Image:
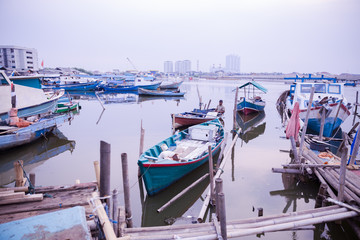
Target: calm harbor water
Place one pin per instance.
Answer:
(249, 183)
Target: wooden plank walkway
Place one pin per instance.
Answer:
(245, 227)
(55, 198)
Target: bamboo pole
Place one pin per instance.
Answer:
(217, 175)
(341, 188)
(356, 106)
(223, 146)
(32, 178)
(310, 165)
(355, 149)
(306, 122)
(13, 96)
(141, 150)
(235, 107)
(104, 220)
(294, 149)
(322, 123)
(179, 195)
(115, 210)
(126, 185)
(97, 172)
(211, 174)
(343, 205)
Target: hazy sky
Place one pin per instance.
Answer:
(268, 35)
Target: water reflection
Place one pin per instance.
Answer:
(33, 154)
(250, 125)
(295, 190)
(150, 216)
(152, 98)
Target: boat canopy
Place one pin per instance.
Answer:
(255, 84)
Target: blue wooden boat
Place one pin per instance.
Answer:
(251, 102)
(29, 101)
(156, 93)
(14, 136)
(129, 88)
(178, 155)
(328, 97)
(80, 86)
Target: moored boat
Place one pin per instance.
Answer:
(157, 93)
(194, 117)
(251, 102)
(178, 155)
(129, 88)
(80, 86)
(170, 85)
(11, 136)
(328, 98)
(29, 101)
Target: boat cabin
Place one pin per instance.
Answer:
(324, 93)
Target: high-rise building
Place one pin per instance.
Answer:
(232, 63)
(187, 66)
(183, 66)
(168, 67)
(19, 58)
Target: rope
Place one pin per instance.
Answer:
(31, 187)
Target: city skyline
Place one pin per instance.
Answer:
(270, 36)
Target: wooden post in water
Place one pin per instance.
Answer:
(355, 149)
(105, 170)
(211, 172)
(32, 178)
(356, 106)
(126, 185)
(306, 122)
(97, 172)
(141, 150)
(19, 174)
(235, 105)
(13, 96)
(341, 189)
(115, 210)
(294, 149)
(222, 216)
(322, 123)
(218, 189)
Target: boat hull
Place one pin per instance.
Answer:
(131, 88)
(147, 92)
(28, 134)
(332, 121)
(182, 121)
(174, 85)
(160, 176)
(248, 106)
(160, 173)
(74, 87)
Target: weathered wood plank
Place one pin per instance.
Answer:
(27, 198)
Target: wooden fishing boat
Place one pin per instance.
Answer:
(251, 101)
(194, 117)
(80, 86)
(170, 85)
(29, 101)
(129, 88)
(15, 136)
(67, 107)
(251, 125)
(178, 155)
(328, 98)
(156, 93)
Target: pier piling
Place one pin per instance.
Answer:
(126, 184)
(105, 170)
(211, 172)
(222, 216)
